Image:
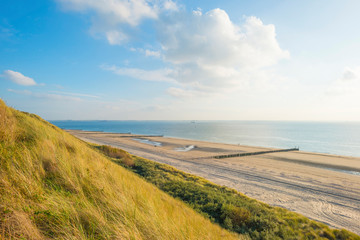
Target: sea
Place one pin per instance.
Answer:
(320, 137)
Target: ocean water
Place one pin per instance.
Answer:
(321, 137)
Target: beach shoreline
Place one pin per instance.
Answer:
(320, 186)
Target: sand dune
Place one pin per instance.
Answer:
(320, 186)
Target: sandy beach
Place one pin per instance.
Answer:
(320, 186)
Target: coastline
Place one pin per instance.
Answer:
(319, 137)
(322, 160)
(311, 184)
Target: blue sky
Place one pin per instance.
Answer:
(176, 60)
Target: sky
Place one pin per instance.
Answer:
(181, 60)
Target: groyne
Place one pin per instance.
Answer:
(253, 153)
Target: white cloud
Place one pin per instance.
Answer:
(113, 17)
(159, 75)
(116, 37)
(114, 11)
(350, 75)
(197, 12)
(152, 53)
(170, 5)
(209, 51)
(347, 84)
(146, 52)
(49, 96)
(18, 78)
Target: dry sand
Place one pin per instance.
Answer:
(320, 186)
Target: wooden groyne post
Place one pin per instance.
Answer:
(254, 153)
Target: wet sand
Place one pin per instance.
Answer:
(320, 186)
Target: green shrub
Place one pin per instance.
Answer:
(239, 216)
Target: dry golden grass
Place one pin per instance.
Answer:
(53, 186)
(117, 153)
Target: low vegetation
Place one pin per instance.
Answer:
(227, 207)
(54, 186)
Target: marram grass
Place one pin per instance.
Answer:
(54, 186)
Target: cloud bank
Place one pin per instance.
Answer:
(210, 52)
(18, 78)
(114, 18)
(204, 52)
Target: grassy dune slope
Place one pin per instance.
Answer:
(229, 208)
(53, 186)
